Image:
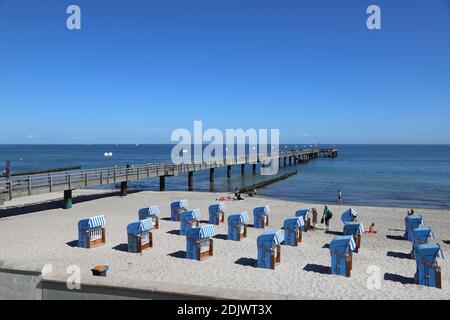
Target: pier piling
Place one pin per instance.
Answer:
(242, 169)
(211, 174)
(67, 199)
(254, 169)
(190, 180)
(229, 171)
(162, 183)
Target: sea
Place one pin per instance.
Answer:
(410, 176)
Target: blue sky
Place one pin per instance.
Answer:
(139, 69)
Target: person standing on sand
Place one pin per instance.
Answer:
(339, 196)
(326, 217)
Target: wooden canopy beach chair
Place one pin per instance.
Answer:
(237, 226)
(140, 236)
(293, 231)
(91, 232)
(150, 213)
(176, 208)
(304, 213)
(217, 213)
(356, 230)
(428, 272)
(199, 242)
(188, 220)
(261, 217)
(412, 222)
(341, 248)
(269, 249)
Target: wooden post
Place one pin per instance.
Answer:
(284, 159)
(211, 174)
(242, 169)
(190, 181)
(29, 185)
(124, 188)
(290, 160)
(229, 171)
(67, 199)
(162, 183)
(254, 169)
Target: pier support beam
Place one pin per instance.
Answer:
(162, 183)
(242, 169)
(229, 171)
(190, 180)
(254, 169)
(284, 160)
(211, 174)
(124, 188)
(290, 161)
(67, 199)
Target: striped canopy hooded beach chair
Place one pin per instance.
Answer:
(237, 226)
(293, 231)
(341, 248)
(140, 235)
(261, 217)
(150, 213)
(199, 242)
(176, 208)
(269, 249)
(304, 213)
(428, 272)
(188, 220)
(349, 216)
(421, 236)
(356, 230)
(217, 213)
(91, 232)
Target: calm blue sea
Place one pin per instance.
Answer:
(385, 175)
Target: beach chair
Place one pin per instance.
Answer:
(176, 208)
(269, 249)
(304, 213)
(349, 216)
(412, 222)
(341, 248)
(91, 232)
(428, 272)
(356, 230)
(188, 220)
(199, 242)
(293, 231)
(237, 226)
(217, 213)
(140, 236)
(261, 217)
(420, 236)
(150, 213)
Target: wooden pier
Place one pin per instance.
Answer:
(33, 184)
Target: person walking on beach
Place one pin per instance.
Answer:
(326, 217)
(339, 196)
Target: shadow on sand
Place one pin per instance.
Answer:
(121, 247)
(178, 254)
(398, 278)
(392, 237)
(221, 236)
(399, 255)
(73, 243)
(247, 262)
(317, 268)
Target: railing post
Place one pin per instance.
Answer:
(50, 183)
(29, 185)
(10, 191)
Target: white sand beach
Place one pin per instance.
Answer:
(33, 240)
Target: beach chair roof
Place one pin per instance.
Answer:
(261, 211)
(291, 223)
(218, 207)
(302, 212)
(139, 227)
(421, 233)
(428, 252)
(191, 215)
(353, 228)
(238, 218)
(348, 215)
(199, 233)
(343, 244)
(92, 222)
(269, 238)
(179, 204)
(153, 211)
(414, 219)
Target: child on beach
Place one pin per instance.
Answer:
(371, 229)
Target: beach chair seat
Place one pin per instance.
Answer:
(261, 217)
(237, 226)
(150, 213)
(269, 249)
(140, 236)
(91, 232)
(217, 213)
(199, 242)
(293, 231)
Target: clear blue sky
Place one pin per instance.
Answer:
(139, 69)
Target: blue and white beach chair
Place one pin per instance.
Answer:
(349, 216)
(91, 232)
(356, 230)
(304, 213)
(150, 213)
(140, 235)
(176, 208)
(217, 213)
(261, 217)
(341, 249)
(269, 249)
(237, 226)
(412, 222)
(428, 272)
(293, 231)
(421, 236)
(188, 220)
(199, 242)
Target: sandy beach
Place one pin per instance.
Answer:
(33, 240)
